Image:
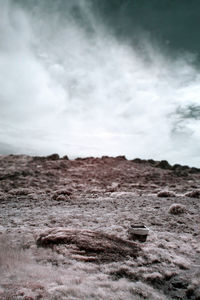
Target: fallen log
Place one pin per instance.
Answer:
(88, 245)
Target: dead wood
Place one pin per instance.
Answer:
(93, 246)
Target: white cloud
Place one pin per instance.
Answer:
(65, 90)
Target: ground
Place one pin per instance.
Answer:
(86, 207)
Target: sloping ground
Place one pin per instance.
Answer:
(81, 211)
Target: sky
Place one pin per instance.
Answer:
(92, 78)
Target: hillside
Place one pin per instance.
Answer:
(64, 229)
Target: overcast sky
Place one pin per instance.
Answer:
(76, 82)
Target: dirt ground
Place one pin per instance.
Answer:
(86, 207)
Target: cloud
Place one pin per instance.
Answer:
(68, 86)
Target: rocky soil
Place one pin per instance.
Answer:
(64, 229)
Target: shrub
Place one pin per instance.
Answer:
(163, 164)
(21, 191)
(62, 198)
(54, 156)
(164, 194)
(176, 209)
(3, 196)
(65, 157)
(193, 194)
(65, 192)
